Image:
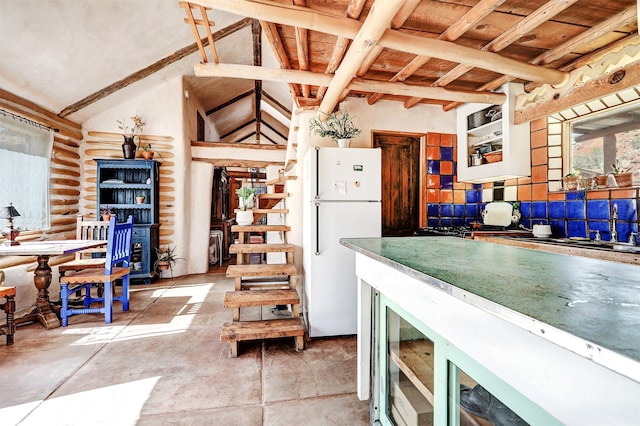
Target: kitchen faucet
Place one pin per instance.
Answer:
(614, 219)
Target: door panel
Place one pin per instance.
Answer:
(400, 183)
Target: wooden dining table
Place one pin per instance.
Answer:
(43, 311)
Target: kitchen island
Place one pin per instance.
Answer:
(554, 337)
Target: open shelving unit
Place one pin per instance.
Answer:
(119, 182)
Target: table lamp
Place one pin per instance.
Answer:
(9, 212)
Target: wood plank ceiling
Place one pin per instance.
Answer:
(443, 52)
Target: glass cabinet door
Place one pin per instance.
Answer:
(409, 358)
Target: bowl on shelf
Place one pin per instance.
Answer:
(493, 156)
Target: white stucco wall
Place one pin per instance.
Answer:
(162, 110)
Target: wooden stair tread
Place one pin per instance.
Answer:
(280, 180)
(261, 248)
(269, 211)
(273, 195)
(260, 228)
(244, 298)
(267, 329)
(262, 270)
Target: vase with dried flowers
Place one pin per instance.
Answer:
(130, 133)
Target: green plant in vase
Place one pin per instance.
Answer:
(339, 127)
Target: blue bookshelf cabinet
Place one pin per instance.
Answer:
(119, 183)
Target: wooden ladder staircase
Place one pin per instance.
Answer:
(263, 284)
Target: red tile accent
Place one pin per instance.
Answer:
(556, 196)
(511, 182)
(446, 167)
(539, 174)
(433, 153)
(539, 124)
(459, 196)
(539, 192)
(623, 193)
(446, 196)
(524, 192)
(446, 140)
(538, 139)
(459, 185)
(598, 194)
(433, 139)
(433, 181)
(538, 156)
(524, 181)
(433, 195)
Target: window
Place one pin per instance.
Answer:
(603, 139)
(25, 149)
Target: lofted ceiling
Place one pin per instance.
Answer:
(78, 58)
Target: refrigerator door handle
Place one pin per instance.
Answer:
(317, 253)
(317, 173)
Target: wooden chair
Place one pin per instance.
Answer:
(116, 267)
(91, 258)
(9, 308)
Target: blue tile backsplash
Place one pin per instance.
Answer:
(575, 217)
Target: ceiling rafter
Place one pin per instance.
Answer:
(374, 26)
(392, 39)
(317, 79)
(354, 9)
(586, 37)
(462, 25)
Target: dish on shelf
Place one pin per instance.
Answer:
(113, 181)
(493, 156)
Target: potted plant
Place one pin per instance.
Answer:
(105, 213)
(166, 259)
(570, 181)
(601, 180)
(339, 127)
(246, 194)
(140, 198)
(146, 152)
(130, 133)
(621, 173)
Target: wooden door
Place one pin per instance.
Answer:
(400, 183)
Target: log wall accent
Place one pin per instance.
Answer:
(109, 145)
(65, 174)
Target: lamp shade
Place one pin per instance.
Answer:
(8, 212)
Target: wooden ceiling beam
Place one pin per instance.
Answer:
(275, 41)
(256, 34)
(586, 37)
(455, 31)
(233, 162)
(302, 48)
(235, 145)
(318, 79)
(376, 22)
(354, 9)
(528, 23)
(392, 39)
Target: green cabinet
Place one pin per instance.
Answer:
(120, 184)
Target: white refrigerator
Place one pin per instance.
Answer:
(341, 199)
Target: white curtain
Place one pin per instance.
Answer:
(24, 171)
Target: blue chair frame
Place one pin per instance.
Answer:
(116, 267)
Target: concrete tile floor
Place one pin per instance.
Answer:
(162, 363)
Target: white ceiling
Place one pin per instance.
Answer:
(57, 52)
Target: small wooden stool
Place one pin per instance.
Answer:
(9, 307)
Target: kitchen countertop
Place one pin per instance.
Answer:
(532, 243)
(558, 297)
